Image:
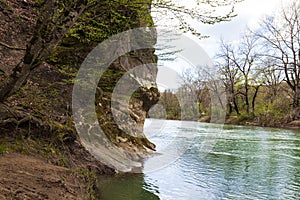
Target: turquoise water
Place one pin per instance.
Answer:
(204, 161)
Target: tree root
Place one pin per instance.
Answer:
(2, 72)
(29, 119)
(11, 47)
(18, 117)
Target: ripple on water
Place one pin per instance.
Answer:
(244, 163)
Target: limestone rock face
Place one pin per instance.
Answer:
(124, 116)
(127, 88)
(42, 108)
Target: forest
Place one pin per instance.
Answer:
(260, 73)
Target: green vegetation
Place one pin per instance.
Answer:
(2, 149)
(90, 180)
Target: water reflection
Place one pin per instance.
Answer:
(126, 187)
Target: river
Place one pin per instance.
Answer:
(205, 161)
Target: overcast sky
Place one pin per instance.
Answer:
(249, 13)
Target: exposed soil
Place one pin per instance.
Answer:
(25, 177)
(294, 124)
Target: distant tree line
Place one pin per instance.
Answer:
(261, 74)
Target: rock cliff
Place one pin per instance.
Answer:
(39, 115)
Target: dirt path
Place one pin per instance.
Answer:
(24, 177)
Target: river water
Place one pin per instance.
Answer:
(204, 161)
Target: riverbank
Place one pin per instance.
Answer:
(30, 177)
(28, 171)
(234, 120)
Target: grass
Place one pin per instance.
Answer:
(90, 181)
(2, 149)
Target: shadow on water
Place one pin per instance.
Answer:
(125, 187)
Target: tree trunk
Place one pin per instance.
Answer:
(54, 21)
(296, 100)
(246, 97)
(15, 81)
(236, 108)
(230, 110)
(254, 98)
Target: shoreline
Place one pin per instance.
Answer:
(31, 177)
(294, 125)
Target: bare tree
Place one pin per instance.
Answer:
(241, 60)
(244, 59)
(191, 91)
(231, 76)
(272, 77)
(281, 36)
(204, 93)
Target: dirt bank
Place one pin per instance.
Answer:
(25, 177)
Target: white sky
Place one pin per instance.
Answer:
(249, 13)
